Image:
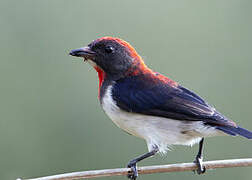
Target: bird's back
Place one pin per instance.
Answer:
(150, 95)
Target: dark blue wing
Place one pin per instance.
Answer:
(147, 95)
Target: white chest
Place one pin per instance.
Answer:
(157, 131)
(122, 119)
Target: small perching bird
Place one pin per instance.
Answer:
(149, 105)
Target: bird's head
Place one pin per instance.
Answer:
(114, 57)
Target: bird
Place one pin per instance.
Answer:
(149, 105)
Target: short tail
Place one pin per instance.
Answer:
(233, 131)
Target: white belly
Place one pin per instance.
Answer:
(157, 131)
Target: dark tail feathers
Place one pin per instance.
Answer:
(233, 131)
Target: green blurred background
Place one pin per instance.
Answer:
(51, 121)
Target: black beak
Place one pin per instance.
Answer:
(83, 52)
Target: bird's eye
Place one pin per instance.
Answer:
(109, 49)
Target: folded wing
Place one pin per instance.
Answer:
(145, 95)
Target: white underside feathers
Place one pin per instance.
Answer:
(156, 131)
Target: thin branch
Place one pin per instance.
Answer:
(149, 169)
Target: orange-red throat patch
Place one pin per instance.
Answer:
(101, 76)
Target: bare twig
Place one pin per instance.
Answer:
(149, 169)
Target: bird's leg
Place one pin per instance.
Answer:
(199, 159)
(132, 164)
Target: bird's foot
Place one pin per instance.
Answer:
(133, 173)
(201, 169)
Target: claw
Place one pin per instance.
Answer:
(133, 174)
(132, 164)
(201, 169)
